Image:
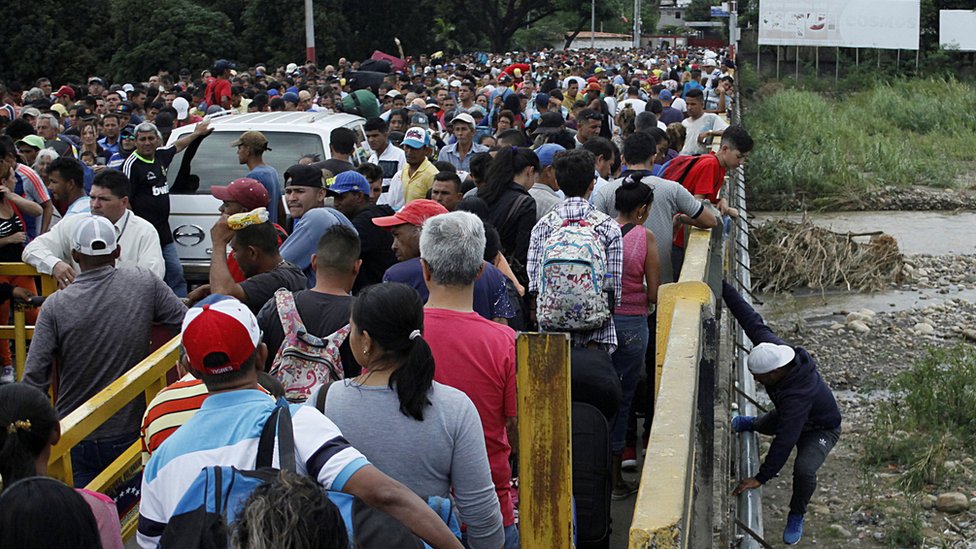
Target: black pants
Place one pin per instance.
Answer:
(811, 451)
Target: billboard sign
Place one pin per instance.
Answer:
(956, 30)
(885, 24)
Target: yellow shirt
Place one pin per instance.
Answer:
(416, 184)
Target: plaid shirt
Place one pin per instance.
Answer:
(609, 233)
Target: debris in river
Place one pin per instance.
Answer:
(788, 255)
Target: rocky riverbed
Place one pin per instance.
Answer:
(859, 353)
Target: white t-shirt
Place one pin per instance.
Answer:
(636, 104)
(693, 128)
(679, 103)
(392, 161)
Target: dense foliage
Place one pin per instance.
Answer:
(125, 39)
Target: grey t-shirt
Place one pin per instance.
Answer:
(98, 328)
(446, 449)
(669, 198)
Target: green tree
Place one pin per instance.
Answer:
(699, 10)
(53, 39)
(274, 31)
(172, 34)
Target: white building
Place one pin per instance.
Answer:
(673, 13)
(601, 41)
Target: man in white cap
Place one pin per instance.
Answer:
(805, 416)
(96, 329)
(460, 152)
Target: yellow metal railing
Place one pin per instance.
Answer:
(20, 332)
(662, 513)
(145, 379)
(545, 441)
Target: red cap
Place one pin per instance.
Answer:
(593, 86)
(220, 324)
(65, 90)
(249, 192)
(414, 213)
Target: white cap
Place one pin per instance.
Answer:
(455, 83)
(292, 67)
(393, 93)
(767, 357)
(94, 235)
(182, 107)
(463, 117)
(128, 88)
(709, 62)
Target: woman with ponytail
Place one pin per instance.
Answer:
(641, 277)
(28, 429)
(511, 209)
(426, 435)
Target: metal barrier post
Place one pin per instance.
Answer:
(20, 341)
(545, 441)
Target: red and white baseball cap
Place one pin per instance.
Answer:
(220, 324)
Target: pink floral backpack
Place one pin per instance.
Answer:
(304, 361)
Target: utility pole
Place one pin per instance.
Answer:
(309, 33)
(637, 24)
(733, 25)
(592, 24)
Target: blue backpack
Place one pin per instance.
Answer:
(204, 516)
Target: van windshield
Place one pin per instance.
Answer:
(215, 162)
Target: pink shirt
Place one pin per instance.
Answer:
(106, 517)
(634, 298)
(477, 356)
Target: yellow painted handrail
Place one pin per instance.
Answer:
(20, 332)
(545, 441)
(663, 510)
(146, 378)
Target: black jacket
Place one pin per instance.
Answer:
(803, 400)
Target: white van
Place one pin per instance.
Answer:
(193, 211)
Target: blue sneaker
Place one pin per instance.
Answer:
(794, 529)
(743, 423)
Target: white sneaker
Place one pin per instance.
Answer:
(6, 374)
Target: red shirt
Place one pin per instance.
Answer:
(217, 89)
(477, 356)
(705, 178)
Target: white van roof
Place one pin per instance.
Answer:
(275, 120)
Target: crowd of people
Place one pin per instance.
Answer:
(380, 299)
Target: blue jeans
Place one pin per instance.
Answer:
(512, 540)
(91, 457)
(628, 361)
(174, 270)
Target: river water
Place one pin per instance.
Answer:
(932, 233)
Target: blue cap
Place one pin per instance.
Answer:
(272, 92)
(349, 181)
(221, 65)
(293, 89)
(665, 95)
(290, 97)
(547, 152)
(542, 99)
(416, 138)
